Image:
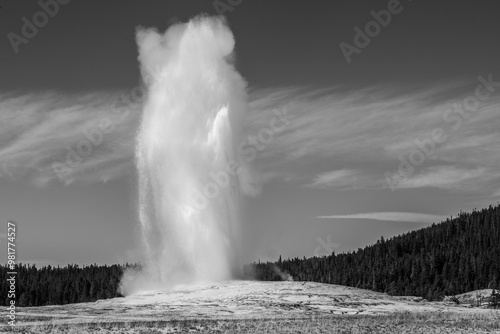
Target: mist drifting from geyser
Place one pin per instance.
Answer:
(190, 177)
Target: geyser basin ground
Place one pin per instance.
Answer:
(242, 302)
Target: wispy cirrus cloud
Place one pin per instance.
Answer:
(346, 139)
(39, 129)
(338, 178)
(343, 179)
(453, 178)
(409, 217)
(338, 139)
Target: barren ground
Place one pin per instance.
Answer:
(259, 307)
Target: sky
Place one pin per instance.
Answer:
(388, 130)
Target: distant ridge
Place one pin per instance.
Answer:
(458, 255)
(455, 256)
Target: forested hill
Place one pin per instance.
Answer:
(454, 256)
(61, 285)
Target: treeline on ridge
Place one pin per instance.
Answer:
(455, 256)
(452, 257)
(50, 285)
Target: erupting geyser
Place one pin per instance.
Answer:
(190, 176)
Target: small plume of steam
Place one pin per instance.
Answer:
(282, 274)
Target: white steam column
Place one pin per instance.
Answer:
(189, 172)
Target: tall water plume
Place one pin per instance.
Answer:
(190, 177)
